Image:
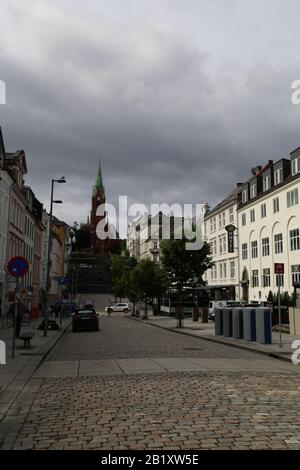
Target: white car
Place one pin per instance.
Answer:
(121, 307)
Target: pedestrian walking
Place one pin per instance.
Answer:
(109, 311)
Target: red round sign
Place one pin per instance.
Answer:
(18, 266)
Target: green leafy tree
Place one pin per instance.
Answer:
(149, 281)
(184, 268)
(121, 269)
(270, 298)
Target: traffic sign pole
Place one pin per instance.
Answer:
(15, 320)
(17, 267)
(279, 270)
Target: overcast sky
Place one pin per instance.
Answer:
(180, 98)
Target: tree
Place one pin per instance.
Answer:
(184, 268)
(149, 281)
(122, 266)
(270, 298)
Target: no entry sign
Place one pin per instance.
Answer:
(18, 266)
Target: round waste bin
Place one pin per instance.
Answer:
(205, 315)
(195, 314)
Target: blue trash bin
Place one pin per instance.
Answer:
(263, 325)
(249, 324)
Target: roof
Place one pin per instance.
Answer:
(231, 197)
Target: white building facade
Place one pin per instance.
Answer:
(223, 278)
(269, 228)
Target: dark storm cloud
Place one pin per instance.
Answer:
(175, 117)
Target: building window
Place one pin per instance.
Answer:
(296, 166)
(232, 269)
(279, 279)
(224, 244)
(263, 209)
(276, 205)
(231, 215)
(265, 246)
(220, 245)
(278, 244)
(215, 246)
(221, 270)
(255, 281)
(292, 197)
(253, 191)
(211, 225)
(224, 269)
(223, 219)
(278, 176)
(254, 250)
(266, 183)
(215, 271)
(266, 277)
(215, 224)
(252, 215)
(244, 196)
(244, 219)
(294, 239)
(244, 251)
(220, 220)
(295, 273)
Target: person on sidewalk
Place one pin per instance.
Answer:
(109, 311)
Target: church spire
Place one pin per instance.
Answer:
(99, 186)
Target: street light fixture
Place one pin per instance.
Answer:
(52, 201)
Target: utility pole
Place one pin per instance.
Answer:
(53, 181)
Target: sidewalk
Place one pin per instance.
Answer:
(16, 372)
(206, 331)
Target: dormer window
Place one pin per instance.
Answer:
(266, 183)
(278, 176)
(296, 166)
(244, 196)
(253, 191)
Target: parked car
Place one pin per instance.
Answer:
(85, 319)
(87, 303)
(121, 307)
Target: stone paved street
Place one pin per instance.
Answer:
(241, 400)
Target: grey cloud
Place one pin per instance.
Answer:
(174, 120)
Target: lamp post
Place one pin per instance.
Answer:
(52, 201)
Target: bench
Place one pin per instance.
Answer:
(26, 337)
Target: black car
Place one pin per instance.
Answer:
(85, 319)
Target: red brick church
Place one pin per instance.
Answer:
(98, 198)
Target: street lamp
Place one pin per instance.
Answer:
(52, 201)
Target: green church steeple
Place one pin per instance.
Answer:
(99, 186)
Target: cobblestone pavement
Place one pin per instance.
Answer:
(179, 410)
(169, 411)
(121, 337)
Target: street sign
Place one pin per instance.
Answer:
(62, 281)
(279, 268)
(18, 266)
(230, 229)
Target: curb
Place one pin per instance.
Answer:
(274, 355)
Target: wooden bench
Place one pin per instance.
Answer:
(26, 337)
